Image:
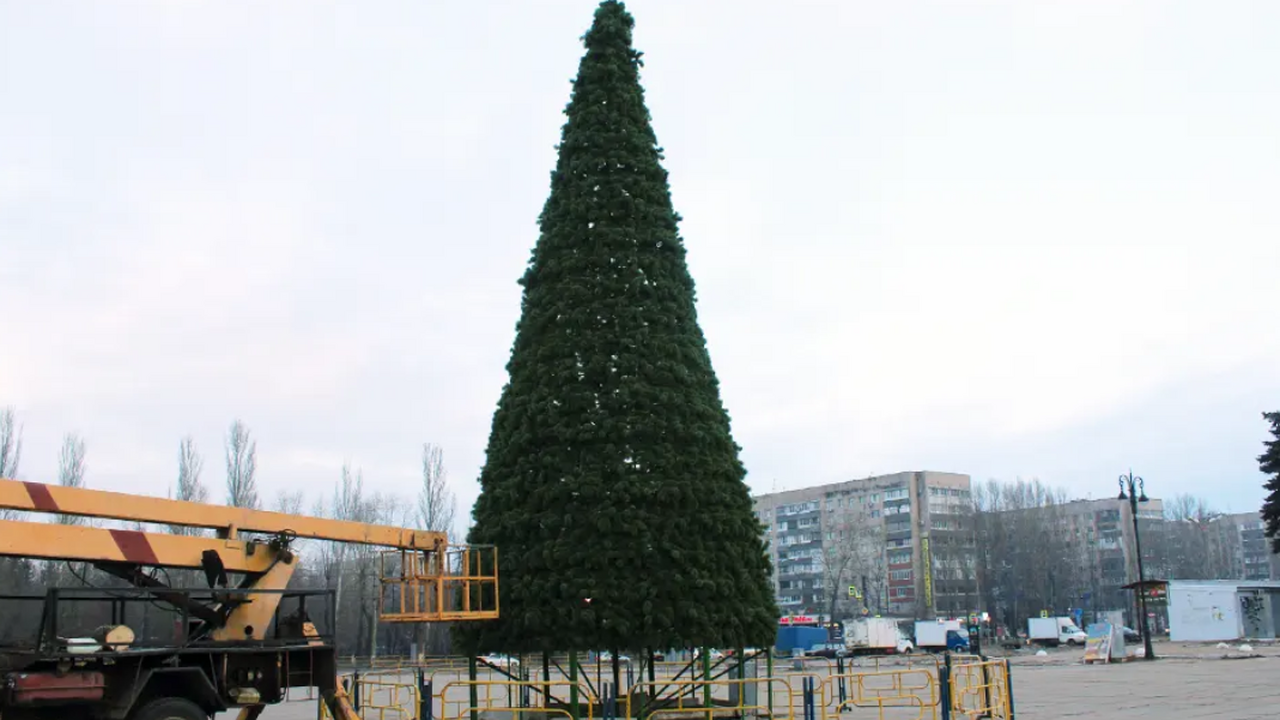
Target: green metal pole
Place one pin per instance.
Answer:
(546, 680)
(742, 676)
(768, 664)
(706, 675)
(944, 679)
(647, 691)
(573, 684)
(472, 674)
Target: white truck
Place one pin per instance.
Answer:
(932, 635)
(864, 636)
(1054, 631)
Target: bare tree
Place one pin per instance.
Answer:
(288, 502)
(1188, 547)
(436, 511)
(436, 506)
(70, 474)
(190, 489)
(190, 464)
(350, 502)
(242, 464)
(11, 574)
(10, 444)
(71, 469)
(346, 504)
(376, 509)
(10, 451)
(1025, 559)
(854, 557)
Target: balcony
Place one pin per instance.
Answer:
(902, 533)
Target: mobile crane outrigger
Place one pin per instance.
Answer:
(232, 647)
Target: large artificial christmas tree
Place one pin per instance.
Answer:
(612, 486)
(1269, 463)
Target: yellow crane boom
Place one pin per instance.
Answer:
(83, 502)
(423, 578)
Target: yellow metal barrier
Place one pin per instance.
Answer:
(388, 697)
(797, 680)
(901, 661)
(382, 696)
(903, 691)
(446, 673)
(980, 690)
(460, 698)
(815, 664)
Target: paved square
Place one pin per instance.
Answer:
(1167, 689)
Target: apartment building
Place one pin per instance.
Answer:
(1244, 549)
(895, 544)
(1102, 530)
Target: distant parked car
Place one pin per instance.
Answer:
(502, 662)
(828, 650)
(607, 657)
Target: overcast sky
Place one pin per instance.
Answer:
(1009, 239)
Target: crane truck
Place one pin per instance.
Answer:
(231, 645)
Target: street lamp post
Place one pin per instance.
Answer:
(1136, 493)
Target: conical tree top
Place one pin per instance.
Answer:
(608, 172)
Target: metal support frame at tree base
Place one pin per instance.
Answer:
(702, 673)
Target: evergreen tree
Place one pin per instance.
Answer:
(612, 486)
(1269, 463)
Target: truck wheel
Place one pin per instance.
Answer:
(170, 708)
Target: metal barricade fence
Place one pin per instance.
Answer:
(980, 689)
(878, 663)
(950, 687)
(381, 695)
(915, 690)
